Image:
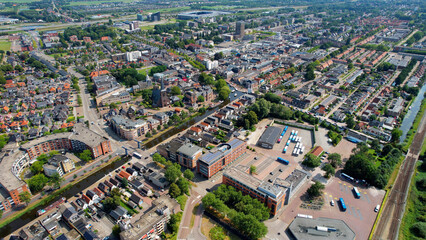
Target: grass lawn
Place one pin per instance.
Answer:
(19, 1)
(149, 27)
(169, 10)
(95, 2)
(5, 45)
(207, 224)
(144, 70)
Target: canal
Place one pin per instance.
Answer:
(411, 114)
(75, 189)
(82, 185)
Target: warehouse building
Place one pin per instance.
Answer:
(269, 137)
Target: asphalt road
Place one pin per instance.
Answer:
(392, 214)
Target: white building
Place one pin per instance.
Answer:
(133, 56)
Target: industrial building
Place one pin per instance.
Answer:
(320, 228)
(217, 158)
(269, 137)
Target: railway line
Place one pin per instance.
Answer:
(393, 210)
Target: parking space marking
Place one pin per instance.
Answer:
(349, 211)
(360, 215)
(354, 212)
(368, 198)
(341, 187)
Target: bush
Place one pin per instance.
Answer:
(419, 229)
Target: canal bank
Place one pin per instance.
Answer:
(411, 114)
(68, 191)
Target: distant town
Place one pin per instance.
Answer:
(137, 120)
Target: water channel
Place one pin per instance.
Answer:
(411, 114)
(81, 186)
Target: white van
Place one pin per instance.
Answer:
(377, 208)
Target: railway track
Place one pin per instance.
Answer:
(389, 222)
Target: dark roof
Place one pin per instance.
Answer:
(135, 198)
(62, 237)
(270, 135)
(68, 213)
(90, 235)
(138, 166)
(90, 194)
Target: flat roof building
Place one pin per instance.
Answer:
(320, 228)
(273, 196)
(127, 128)
(269, 137)
(217, 158)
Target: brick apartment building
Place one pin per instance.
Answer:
(213, 161)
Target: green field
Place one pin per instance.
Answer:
(96, 2)
(5, 45)
(144, 70)
(149, 27)
(19, 1)
(169, 10)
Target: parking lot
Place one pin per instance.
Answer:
(359, 216)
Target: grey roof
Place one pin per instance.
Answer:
(189, 149)
(220, 151)
(270, 135)
(305, 228)
(127, 123)
(80, 133)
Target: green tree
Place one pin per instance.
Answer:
(175, 90)
(252, 117)
(25, 197)
(183, 185)
(224, 94)
(43, 158)
(56, 180)
(36, 167)
(173, 224)
(335, 159)
(218, 56)
(86, 155)
(113, 106)
(124, 182)
(174, 190)
(311, 160)
(116, 230)
(253, 169)
(310, 75)
(173, 173)
(329, 170)
(148, 135)
(200, 98)
(350, 122)
(315, 190)
(396, 134)
(375, 144)
(188, 174)
(37, 182)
